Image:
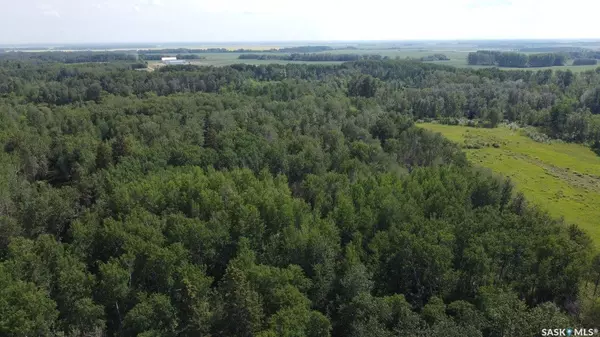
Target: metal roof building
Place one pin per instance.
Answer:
(174, 62)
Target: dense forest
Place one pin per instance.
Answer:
(68, 57)
(281, 200)
(515, 60)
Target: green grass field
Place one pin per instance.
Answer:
(563, 179)
(458, 58)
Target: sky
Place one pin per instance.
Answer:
(104, 21)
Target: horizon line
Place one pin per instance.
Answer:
(299, 41)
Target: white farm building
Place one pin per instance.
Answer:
(172, 61)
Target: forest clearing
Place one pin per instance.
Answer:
(562, 178)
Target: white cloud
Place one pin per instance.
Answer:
(47, 9)
(261, 20)
(149, 2)
(102, 5)
(51, 12)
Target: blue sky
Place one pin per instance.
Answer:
(86, 21)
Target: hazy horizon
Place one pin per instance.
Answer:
(268, 21)
(280, 42)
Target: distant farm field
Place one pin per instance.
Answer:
(457, 52)
(458, 58)
(563, 179)
(226, 59)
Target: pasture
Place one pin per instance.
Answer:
(458, 58)
(561, 178)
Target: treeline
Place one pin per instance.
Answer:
(323, 57)
(68, 57)
(553, 49)
(546, 60)
(158, 57)
(515, 60)
(192, 51)
(289, 200)
(435, 57)
(589, 54)
(189, 57)
(300, 49)
(262, 57)
(585, 62)
(572, 52)
(304, 49)
(97, 46)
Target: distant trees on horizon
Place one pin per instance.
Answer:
(314, 57)
(299, 49)
(435, 57)
(585, 62)
(515, 59)
(68, 57)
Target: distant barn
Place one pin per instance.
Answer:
(170, 61)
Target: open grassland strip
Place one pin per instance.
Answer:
(563, 179)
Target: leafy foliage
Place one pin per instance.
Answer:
(295, 200)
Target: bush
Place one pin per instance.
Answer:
(537, 136)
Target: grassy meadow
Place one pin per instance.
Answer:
(458, 57)
(562, 178)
